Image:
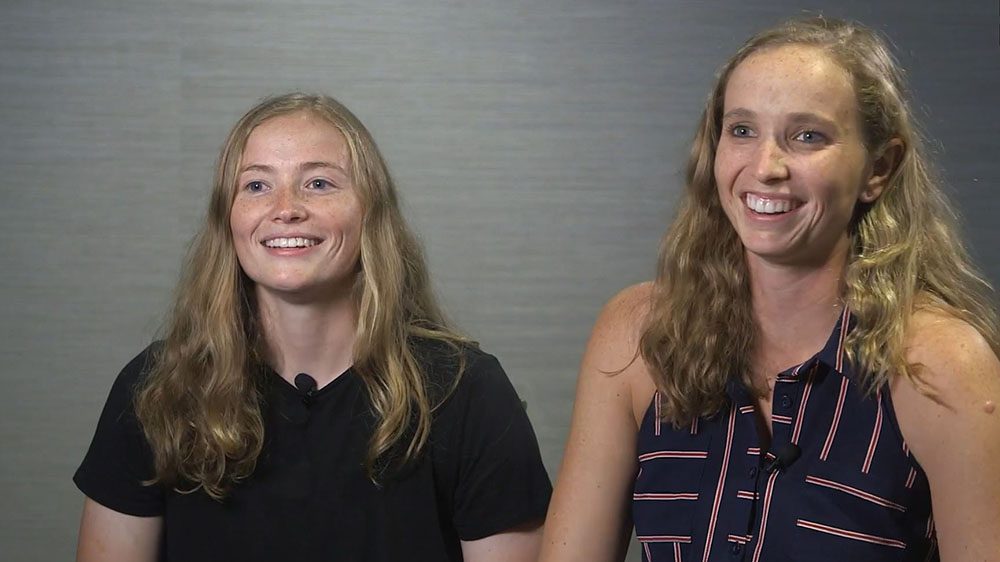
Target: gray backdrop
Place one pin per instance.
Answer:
(537, 146)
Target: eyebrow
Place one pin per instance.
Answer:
(739, 112)
(806, 117)
(302, 167)
(799, 117)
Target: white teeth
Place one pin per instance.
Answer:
(767, 206)
(290, 242)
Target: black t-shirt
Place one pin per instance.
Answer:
(310, 497)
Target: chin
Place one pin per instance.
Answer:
(307, 288)
(773, 253)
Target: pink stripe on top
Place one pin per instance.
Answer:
(714, 519)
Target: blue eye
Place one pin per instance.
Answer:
(810, 137)
(320, 184)
(740, 131)
(255, 187)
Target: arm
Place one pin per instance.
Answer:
(487, 460)
(955, 434)
(106, 534)
(589, 518)
(519, 544)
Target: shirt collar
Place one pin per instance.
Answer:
(833, 355)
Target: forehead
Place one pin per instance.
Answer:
(792, 79)
(301, 135)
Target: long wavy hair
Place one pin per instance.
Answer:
(201, 405)
(906, 253)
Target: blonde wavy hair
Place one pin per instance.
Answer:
(906, 253)
(201, 405)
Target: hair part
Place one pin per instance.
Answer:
(906, 253)
(201, 405)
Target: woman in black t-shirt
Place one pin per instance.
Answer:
(309, 401)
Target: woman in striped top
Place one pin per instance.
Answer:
(813, 374)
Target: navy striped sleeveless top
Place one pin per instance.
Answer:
(704, 492)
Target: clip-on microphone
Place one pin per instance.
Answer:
(306, 385)
(781, 461)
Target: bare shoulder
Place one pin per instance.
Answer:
(948, 416)
(952, 360)
(613, 350)
(619, 327)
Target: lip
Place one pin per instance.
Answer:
(779, 199)
(291, 235)
(290, 251)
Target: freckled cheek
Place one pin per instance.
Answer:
(243, 219)
(725, 183)
(726, 168)
(835, 197)
(348, 219)
(241, 231)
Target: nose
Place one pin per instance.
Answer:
(289, 205)
(770, 165)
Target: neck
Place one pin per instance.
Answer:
(795, 308)
(313, 338)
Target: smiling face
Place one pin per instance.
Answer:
(296, 217)
(791, 164)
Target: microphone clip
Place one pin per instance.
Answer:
(783, 459)
(306, 385)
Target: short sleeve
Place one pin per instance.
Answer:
(491, 453)
(119, 459)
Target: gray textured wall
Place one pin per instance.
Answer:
(538, 147)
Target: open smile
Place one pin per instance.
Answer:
(291, 242)
(770, 205)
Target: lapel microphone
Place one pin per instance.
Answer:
(306, 385)
(783, 459)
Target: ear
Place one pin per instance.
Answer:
(883, 166)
